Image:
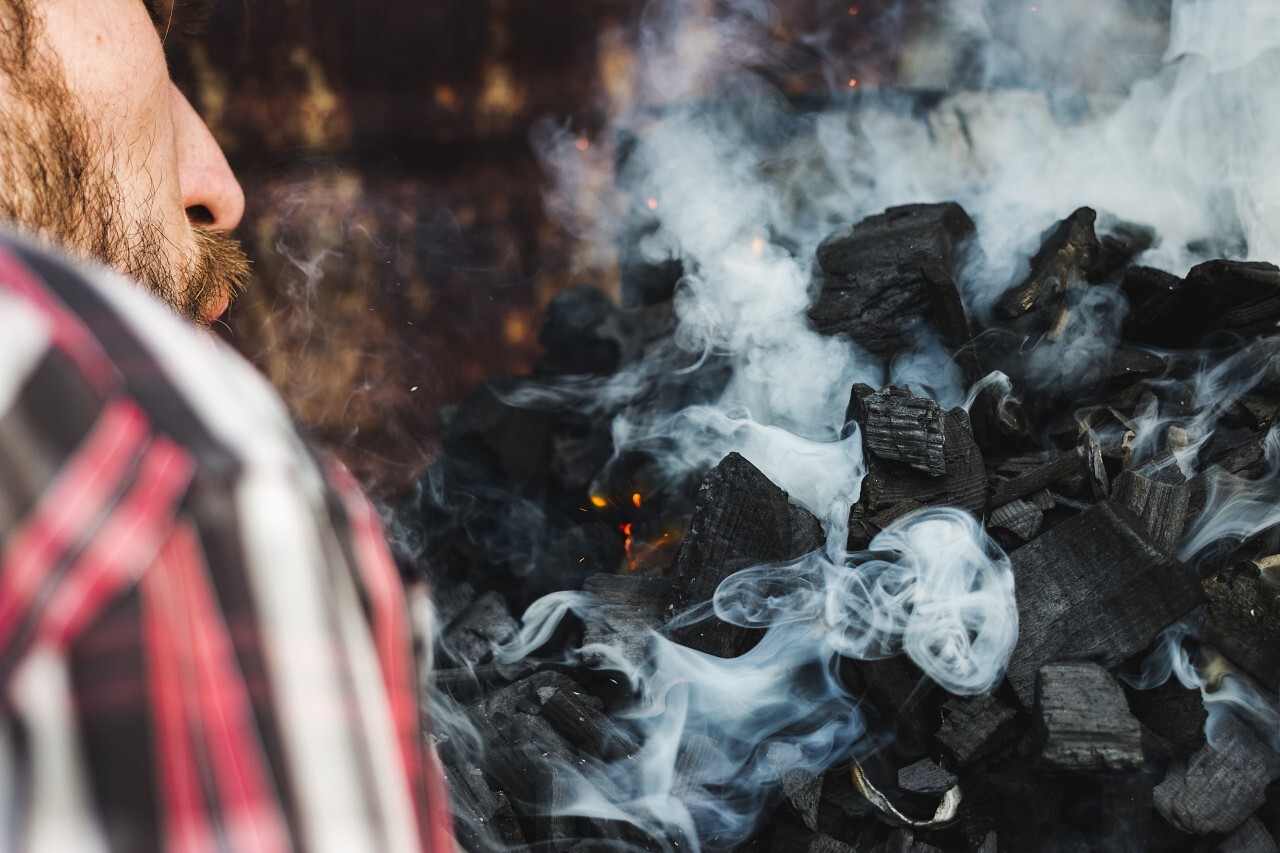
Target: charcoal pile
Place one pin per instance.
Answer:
(1130, 493)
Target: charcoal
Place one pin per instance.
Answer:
(580, 718)
(862, 530)
(740, 519)
(899, 691)
(481, 815)
(574, 334)
(513, 443)
(485, 625)
(1243, 298)
(699, 757)
(1244, 621)
(1162, 507)
(1263, 409)
(1022, 517)
(450, 600)
(1037, 478)
(1067, 253)
(899, 427)
(578, 455)
(1250, 837)
(902, 841)
(964, 484)
(1133, 365)
(806, 531)
(926, 777)
(1221, 785)
(1117, 247)
(1093, 588)
(951, 321)
(873, 282)
(468, 683)
(787, 838)
(975, 726)
(1158, 314)
(803, 793)
(1171, 711)
(1095, 471)
(1082, 723)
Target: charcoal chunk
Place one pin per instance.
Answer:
(1082, 723)
(974, 726)
(484, 626)
(1173, 712)
(873, 282)
(1162, 507)
(1250, 837)
(1156, 309)
(580, 718)
(926, 777)
(483, 818)
(627, 609)
(1242, 297)
(900, 427)
(1221, 785)
(1067, 253)
(740, 519)
(574, 333)
(1118, 246)
(1244, 621)
(1022, 517)
(1093, 588)
(1037, 478)
(964, 484)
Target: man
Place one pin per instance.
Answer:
(203, 644)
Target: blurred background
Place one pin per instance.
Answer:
(395, 203)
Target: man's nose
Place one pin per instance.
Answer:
(210, 192)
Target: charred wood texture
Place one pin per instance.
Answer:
(1094, 588)
(740, 519)
(1244, 621)
(1222, 784)
(891, 276)
(1083, 724)
(899, 427)
(1068, 253)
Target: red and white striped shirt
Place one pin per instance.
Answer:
(204, 644)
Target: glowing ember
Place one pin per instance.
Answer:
(599, 502)
(757, 246)
(853, 83)
(653, 204)
(853, 10)
(626, 546)
(637, 500)
(582, 144)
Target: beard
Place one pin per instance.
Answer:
(58, 184)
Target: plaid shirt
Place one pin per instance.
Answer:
(203, 641)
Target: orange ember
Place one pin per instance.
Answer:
(599, 502)
(637, 500)
(653, 204)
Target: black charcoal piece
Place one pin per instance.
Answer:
(964, 484)
(1095, 470)
(740, 519)
(789, 838)
(1021, 517)
(974, 726)
(626, 611)
(1093, 588)
(873, 282)
(902, 841)
(1133, 365)
(926, 777)
(1244, 621)
(1037, 478)
(1221, 785)
(482, 818)
(1250, 837)
(1118, 247)
(899, 693)
(1242, 298)
(862, 530)
(1082, 722)
(1158, 313)
(803, 793)
(580, 718)
(575, 334)
(450, 599)
(1162, 507)
(900, 427)
(1067, 253)
(580, 550)
(1173, 712)
(485, 625)
(512, 443)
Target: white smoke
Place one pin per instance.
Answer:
(1162, 115)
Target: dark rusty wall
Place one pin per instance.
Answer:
(394, 204)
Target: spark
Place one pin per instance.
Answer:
(582, 144)
(757, 246)
(853, 10)
(853, 83)
(653, 204)
(637, 499)
(599, 502)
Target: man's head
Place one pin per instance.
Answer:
(99, 151)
